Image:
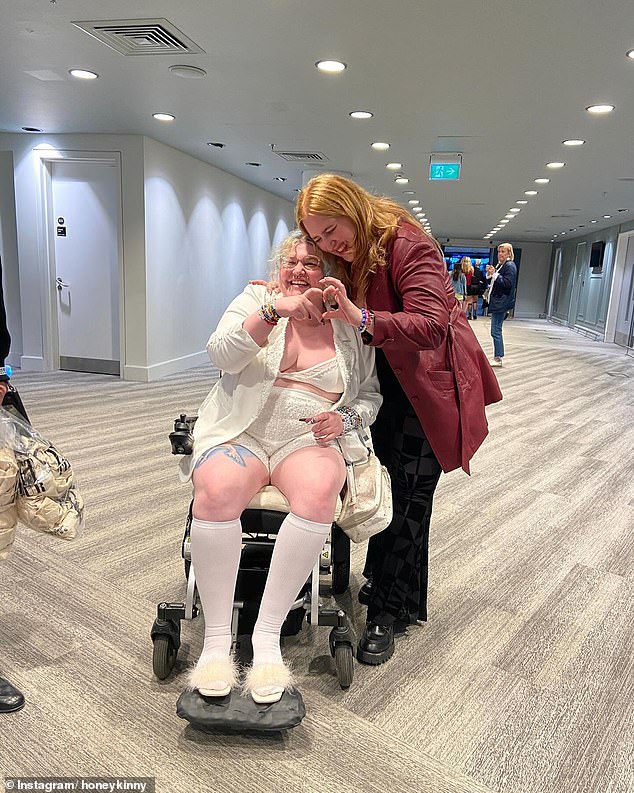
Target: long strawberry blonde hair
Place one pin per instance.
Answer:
(375, 219)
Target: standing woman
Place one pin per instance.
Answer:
(503, 280)
(435, 379)
(459, 283)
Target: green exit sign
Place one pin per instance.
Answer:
(444, 172)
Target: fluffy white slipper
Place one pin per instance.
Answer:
(267, 682)
(214, 678)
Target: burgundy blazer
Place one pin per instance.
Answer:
(429, 344)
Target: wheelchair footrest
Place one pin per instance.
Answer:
(235, 713)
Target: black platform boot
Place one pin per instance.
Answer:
(10, 698)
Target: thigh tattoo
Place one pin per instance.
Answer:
(237, 454)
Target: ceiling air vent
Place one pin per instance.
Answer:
(301, 156)
(140, 36)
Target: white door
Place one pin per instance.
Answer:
(624, 332)
(86, 209)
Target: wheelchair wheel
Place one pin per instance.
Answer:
(163, 656)
(344, 662)
(340, 560)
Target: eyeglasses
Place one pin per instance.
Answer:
(310, 263)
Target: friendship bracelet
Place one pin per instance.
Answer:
(268, 313)
(365, 318)
(351, 419)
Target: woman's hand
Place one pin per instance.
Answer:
(341, 306)
(271, 286)
(308, 305)
(326, 426)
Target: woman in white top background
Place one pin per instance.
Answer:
(291, 386)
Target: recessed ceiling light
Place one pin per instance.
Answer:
(555, 165)
(562, 233)
(515, 210)
(594, 221)
(599, 109)
(523, 201)
(413, 201)
(188, 72)
(573, 142)
(531, 192)
(555, 235)
(622, 210)
(509, 217)
(83, 74)
(542, 181)
(31, 129)
(607, 216)
(394, 166)
(280, 178)
(163, 116)
(380, 146)
(409, 192)
(401, 180)
(331, 67)
(630, 54)
(503, 222)
(573, 229)
(361, 114)
(254, 164)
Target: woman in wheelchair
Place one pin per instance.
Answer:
(292, 385)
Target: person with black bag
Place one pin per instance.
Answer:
(10, 698)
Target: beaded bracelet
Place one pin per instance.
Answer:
(365, 318)
(351, 419)
(268, 313)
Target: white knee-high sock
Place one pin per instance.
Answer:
(215, 550)
(297, 548)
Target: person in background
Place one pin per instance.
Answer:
(10, 698)
(503, 280)
(459, 283)
(475, 287)
(435, 379)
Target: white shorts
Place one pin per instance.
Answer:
(278, 431)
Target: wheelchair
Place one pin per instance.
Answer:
(261, 521)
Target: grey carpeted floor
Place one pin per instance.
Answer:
(522, 680)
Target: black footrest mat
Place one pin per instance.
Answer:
(235, 713)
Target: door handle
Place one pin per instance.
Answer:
(61, 284)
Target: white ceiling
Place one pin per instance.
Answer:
(503, 81)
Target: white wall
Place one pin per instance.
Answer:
(206, 234)
(534, 270)
(9, 254)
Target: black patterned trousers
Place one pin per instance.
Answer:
(397, 559)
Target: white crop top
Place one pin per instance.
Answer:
(324, 375)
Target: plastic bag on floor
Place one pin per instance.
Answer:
(46, 496)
